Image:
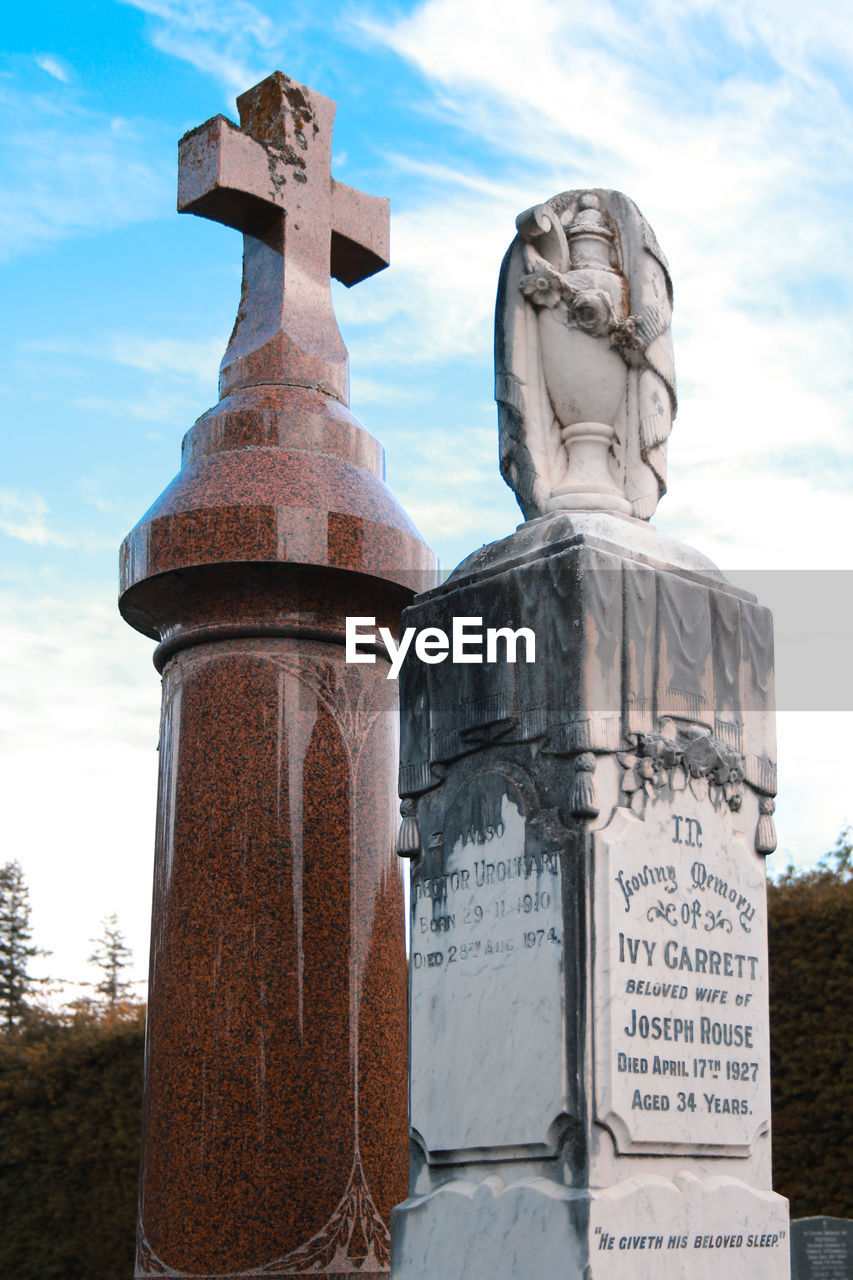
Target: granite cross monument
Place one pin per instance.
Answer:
(274, 1131)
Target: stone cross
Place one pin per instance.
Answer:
(274, 1132)
(271, 179)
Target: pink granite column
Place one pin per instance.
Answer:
(275, 1127)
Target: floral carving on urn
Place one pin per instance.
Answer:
(584, 375)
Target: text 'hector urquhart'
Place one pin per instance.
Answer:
(467, 643)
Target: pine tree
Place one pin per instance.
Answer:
(15, 946)
(112, 955)
(839, 859)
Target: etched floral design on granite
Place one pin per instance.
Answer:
(355, 1240)
(690, 760)
(147, 1262)
(353, 710)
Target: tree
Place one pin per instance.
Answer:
(111, 955)
(839, 859)
(15, 946)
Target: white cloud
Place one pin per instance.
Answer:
(814, 803)
(178, 357)
(231, 41)
(718, 168)
(54, 66)
(216, 17)
(795, 37)
(90, 491)
(186, 359)
(52, 190)
(453, 501)
(442, 284)
(24, 517)
(80, 723)
(733, 132)
(178, 372)
(376, 391)
(151, 405)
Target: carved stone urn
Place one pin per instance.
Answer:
(585, 375)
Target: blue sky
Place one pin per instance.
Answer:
(730, 124)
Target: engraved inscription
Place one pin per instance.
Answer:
(486, 987)
(501, 916)
(645, 1228)
(681, 1029)
(822, 1249)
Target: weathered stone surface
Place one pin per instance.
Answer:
(644, 1228)
(486, 949)
(633, 631)
(584, 376)
(586, 829)
(271, 176)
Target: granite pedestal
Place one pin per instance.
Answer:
(274, 1133)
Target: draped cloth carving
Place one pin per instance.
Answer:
(621, 648)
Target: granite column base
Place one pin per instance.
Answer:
(274, 1138)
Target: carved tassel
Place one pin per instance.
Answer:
(583, 800)
(409, 836)
(765, 835)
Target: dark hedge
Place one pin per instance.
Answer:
(811, 1041)
(70, 1100)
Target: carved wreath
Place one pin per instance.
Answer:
(697, 762)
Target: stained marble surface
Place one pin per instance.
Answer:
(647, 1227)
(584, 372)
(486, 969)
(639, 750)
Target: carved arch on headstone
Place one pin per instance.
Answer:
(487, 926)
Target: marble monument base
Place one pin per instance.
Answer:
(644, 1228)
(589, 1055)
